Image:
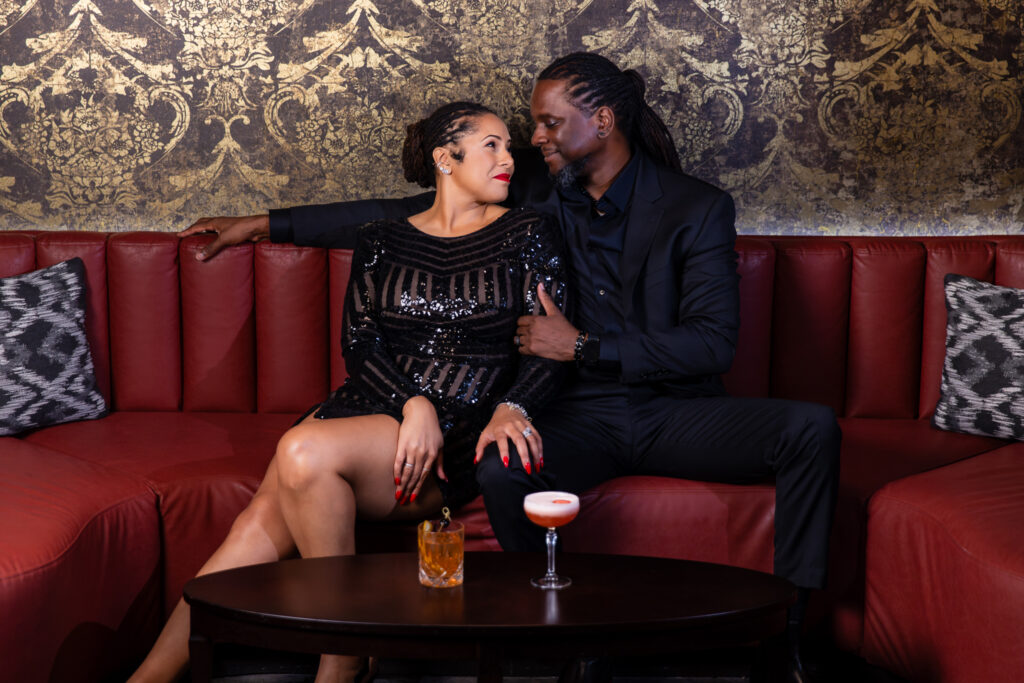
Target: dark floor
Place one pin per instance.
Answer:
(726, 666)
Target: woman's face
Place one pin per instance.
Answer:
(486, 167)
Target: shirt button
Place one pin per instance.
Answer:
(601, 292)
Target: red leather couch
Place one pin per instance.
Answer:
(205, 364)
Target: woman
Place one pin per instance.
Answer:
(428, 328)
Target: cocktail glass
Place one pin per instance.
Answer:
(551, 509)
(441, 553)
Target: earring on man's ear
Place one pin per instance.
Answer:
(602, 133)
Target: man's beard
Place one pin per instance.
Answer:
(569, 175)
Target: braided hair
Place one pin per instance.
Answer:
(593, 81)
(448, 124)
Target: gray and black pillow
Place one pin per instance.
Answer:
(983, 374)
(46, 370)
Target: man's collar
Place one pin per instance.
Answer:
(619, 193)
(621, 189)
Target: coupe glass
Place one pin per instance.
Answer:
(551, 509)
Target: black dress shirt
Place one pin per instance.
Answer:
(599, 228)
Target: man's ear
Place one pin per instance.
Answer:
(604, 117)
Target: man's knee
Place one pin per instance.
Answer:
(822, 429)
(494, 476)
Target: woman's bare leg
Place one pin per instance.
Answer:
(328, 469)
(258, 534)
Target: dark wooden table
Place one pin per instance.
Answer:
(374, 605)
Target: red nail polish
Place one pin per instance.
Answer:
(542, 462)
(397, 481)
(413, 499)
(504, 459)
(398, 494)
(528, 468)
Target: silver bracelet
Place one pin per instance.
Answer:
(516, 406)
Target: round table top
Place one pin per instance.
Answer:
(380, 593)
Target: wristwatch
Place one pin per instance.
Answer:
(591, 350)
(588, 349)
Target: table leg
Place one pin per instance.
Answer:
(489, 665)
(593, 670)
(200, 654)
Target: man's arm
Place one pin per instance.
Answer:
(703, 340)
(321, 225)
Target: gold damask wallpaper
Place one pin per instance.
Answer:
(821, 116)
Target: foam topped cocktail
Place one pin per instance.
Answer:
(551, 509)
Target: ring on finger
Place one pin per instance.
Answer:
(409, 465)
(528, 431)
(517, 341)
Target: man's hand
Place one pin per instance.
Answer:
(548, 336)
(229, 230)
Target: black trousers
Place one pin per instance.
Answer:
(596, 431)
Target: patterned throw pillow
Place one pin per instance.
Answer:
(983, 376)
(46, 370)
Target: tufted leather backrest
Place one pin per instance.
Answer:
(856, 323)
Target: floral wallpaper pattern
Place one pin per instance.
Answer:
(820, 116)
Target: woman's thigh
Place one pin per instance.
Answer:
(361, 450)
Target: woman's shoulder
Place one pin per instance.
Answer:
(380, 229)
(529, 221)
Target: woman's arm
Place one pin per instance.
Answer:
(366, 353)
(368, 359)
(537, 379)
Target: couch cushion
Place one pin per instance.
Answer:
(91, 247)
(291, 328)
(883, 371)
(217, 328)
(627, 516)
(874, 453)
(204, 467)
(145, 321)
(973, 258)
(79, 566)
(810, 321)
(47, 375)
(982, 388)
(945, 572)
(677, 518)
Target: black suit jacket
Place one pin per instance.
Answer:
(680, 287)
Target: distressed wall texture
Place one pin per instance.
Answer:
(821, 116)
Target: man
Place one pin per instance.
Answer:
(653, 265)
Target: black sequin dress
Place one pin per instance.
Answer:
(436, 316)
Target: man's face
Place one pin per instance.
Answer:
(565, 135)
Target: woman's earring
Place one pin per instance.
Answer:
(442, 169)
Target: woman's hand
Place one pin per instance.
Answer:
(419, 446)
(509, 423)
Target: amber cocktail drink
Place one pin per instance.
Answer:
(441, 553)
(551, 509)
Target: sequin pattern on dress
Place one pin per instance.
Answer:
(436, 316)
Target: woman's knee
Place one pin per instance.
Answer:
(300, 461)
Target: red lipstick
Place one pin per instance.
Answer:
(504, 177)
